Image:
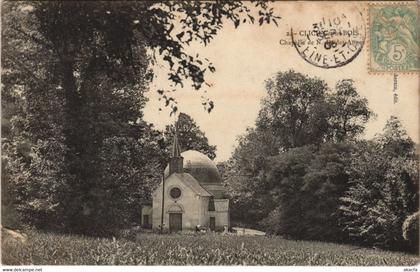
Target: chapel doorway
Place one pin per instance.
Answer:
(175, 222)
(146, 221)
(212, 223)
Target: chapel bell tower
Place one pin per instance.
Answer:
(177, 161)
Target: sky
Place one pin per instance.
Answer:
(245, 57)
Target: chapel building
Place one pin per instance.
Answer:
(191, 195)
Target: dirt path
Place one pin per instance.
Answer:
(250, 232)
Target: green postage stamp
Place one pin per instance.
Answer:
(394, 37)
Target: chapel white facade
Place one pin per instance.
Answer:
(191, 195)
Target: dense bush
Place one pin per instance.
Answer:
(411, 231)
(270, 224)
(9, 215)
(384, 189)
(291, 168)
(191, 249)
(285, 179)
(306, 186)
(348, 191)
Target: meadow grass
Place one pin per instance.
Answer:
(194, 249)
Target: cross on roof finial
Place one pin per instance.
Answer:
(176, 152)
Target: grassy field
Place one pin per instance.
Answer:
(194, 249)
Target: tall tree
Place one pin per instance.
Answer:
(325, 181)
(285, 181)
(384, 188)
(302, 110)
(294, 109)
(245, 176)
(66, 118)
(32, 115)
(298, 111)
(305, 186)
(190, 136)
(348, 112)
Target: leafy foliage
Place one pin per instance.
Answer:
(164, 26)
(67, 96)
(309, 177)
(383, 189)
(9, 215)
(245, 175)
(348, 112)
(306, 185)
(129, 170)
(285, 178)
(74, 76)
(325, 181)
(41, 185)
(301, 110)
(411, 230)
(302, 125)
(294, 109)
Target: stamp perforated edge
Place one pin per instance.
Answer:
(385, 3)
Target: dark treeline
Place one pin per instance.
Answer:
(303, 172)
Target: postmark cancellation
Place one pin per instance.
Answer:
(332, 41)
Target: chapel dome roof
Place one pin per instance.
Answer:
(200, 167)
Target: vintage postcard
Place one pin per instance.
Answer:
(216, 133)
